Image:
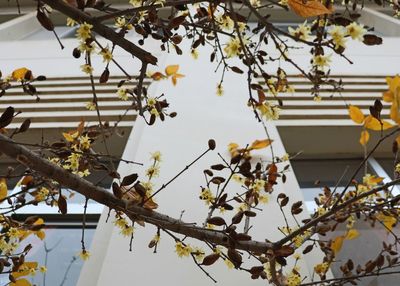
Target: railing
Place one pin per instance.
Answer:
(63, 103)
(359, 90)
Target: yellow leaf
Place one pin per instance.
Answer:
(171, 69)
(39, 221)
(356, 114)
(352, 234)
(3, 189)
(232, 146)
(310, 8)
(388, 221)
(157, 76)
(40, 234)
(364, 138)
(374, 124)
(260, 144)
(21, 282)
(387, 96)
(175, 77)
(21, 73)
(81, 126)
(337, 244)
(26, 180)
(393, 83)
(394, 111)
(70, 137)
(25, 269)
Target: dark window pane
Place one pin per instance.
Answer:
(327, 171)
(388, 165)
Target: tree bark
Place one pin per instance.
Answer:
(102, 30)
(106, 198)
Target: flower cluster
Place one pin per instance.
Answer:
(183, 250)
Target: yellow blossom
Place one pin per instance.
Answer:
(322, 61)
(107, 55)
(153, 171)
(120, 222)
(229, 263)
(371, 180)
(73, 161)
(84, 31)
(121, 22)
(84, 255)
(182, 250)
(225, 22)
(127, 230)
(264, 199)
(194, 53)
(397, 168)
(338, 36)
(71, 22)
(317, 98)
(88, 69)
(141, 16)
(84, 142)
(297, 256)
(356, 31)
(90, 106)
(198, 254)
(151, 101)
(135, 3)
(284, 3)
(302, 32)
(43, 269)
(154, 111)
(285, 157)
(156, 156)
(85, 173)
(13, 232)
(321, 268)
(293, 279)
(86, 47)
(122, 93)
(269, 110)
(42, 194)
(207, 196)
(255, 3)
(233, 47)
(220, 89)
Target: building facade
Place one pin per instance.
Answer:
(319, 136)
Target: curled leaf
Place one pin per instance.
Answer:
(356, 114)
(364, 138)
(260, 144)
(21, 73)
(310, 8)
(337, 244)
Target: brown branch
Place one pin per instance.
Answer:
(102, 196)
(334, 210)
(132, 11)
(102, 30)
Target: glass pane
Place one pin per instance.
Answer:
(326, 171)
(63, 265)
(43, 34)
(388, 165)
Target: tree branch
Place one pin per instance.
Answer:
(102, 196)
(102, 30)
